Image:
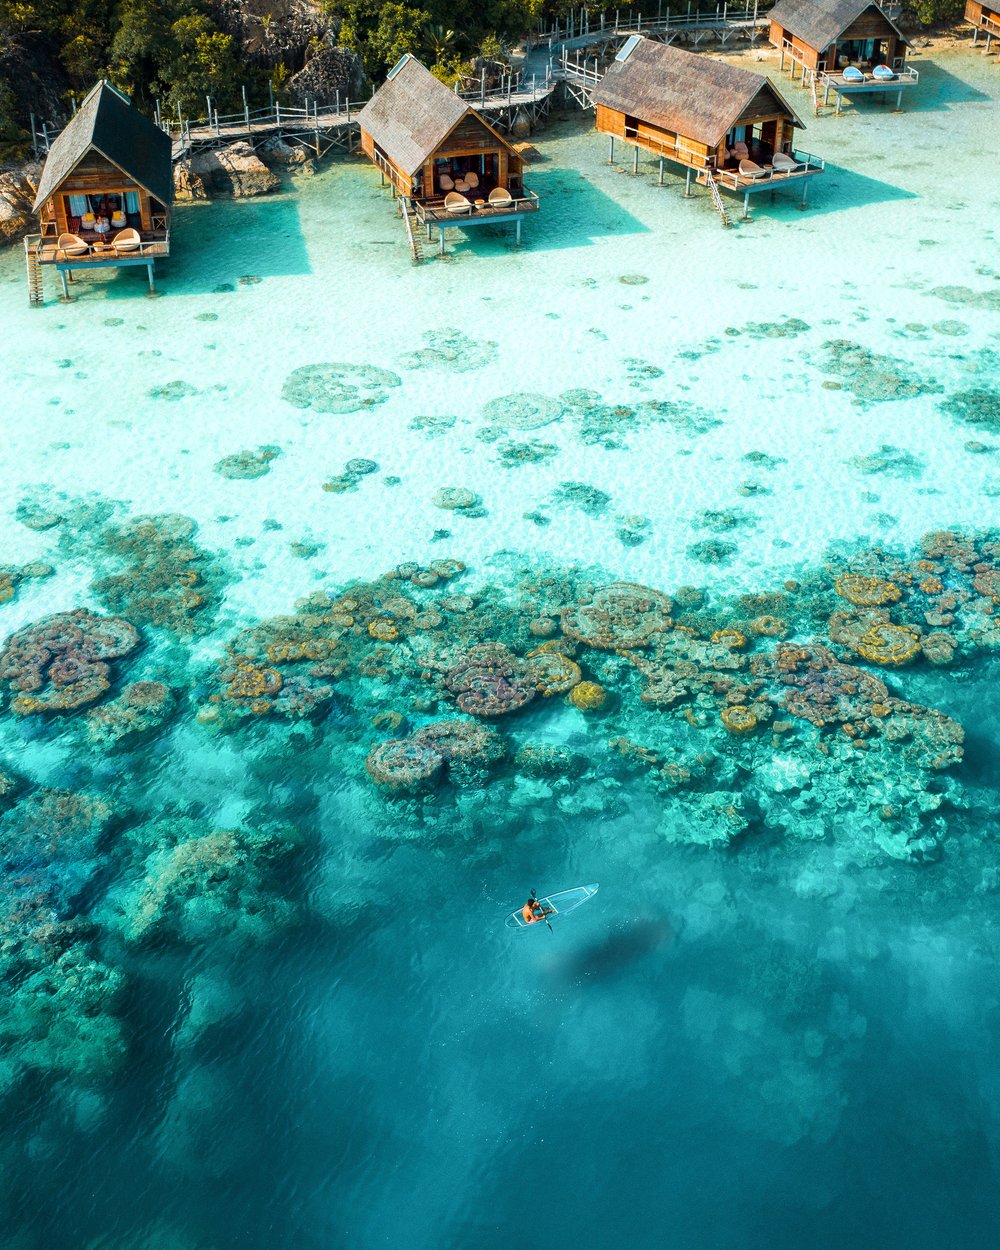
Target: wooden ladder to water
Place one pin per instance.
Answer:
(35, 293)
(815, 95)
(720, 208)
(413, 236)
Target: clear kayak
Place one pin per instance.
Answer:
(557, 905)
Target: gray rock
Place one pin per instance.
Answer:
(235, 170)
(330, 70)
(276, 152)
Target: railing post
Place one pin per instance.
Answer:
(34, 136)
(277, 113)
(246, 114)
(45, 134)
(208, 105)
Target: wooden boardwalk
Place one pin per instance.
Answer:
(321, 128)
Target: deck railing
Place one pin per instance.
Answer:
(672, 149)
(658, 19)
(46, 250)
(525, 202)
(733, 180)
(905, 75)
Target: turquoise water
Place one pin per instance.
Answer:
(259, 989)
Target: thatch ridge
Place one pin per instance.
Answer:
(107, 122)
(688, 93)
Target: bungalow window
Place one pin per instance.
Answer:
(859, 52)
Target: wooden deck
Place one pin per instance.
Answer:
(45, 249)
(433, 215)
(40, 250)
(434, 211)
(822, 81)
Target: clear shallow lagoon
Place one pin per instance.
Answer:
(787, 1041)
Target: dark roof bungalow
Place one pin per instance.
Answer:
(729, 126)
(106, 188)
(450, 167)
(829, 36)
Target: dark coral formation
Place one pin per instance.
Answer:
(167, 580)
(63, 662)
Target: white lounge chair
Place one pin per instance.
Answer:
(784, 164)
(883, 73)
(456, 203)
(127, 241)
(750, 169)
(72, 245)
(853, 74)
(500, 197)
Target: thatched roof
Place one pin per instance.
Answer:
(689, 93)
(411, 115)
(108, 124)
(819, 23)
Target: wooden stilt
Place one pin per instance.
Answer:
(441, 234)
(517, 237)
(687, 184)
(635, 161)
(149, 273)
(746, 207)
(611, 151)
(660, 183)
(62, 274)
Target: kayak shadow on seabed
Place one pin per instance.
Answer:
(613, 954)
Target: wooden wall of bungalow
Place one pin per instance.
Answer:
(982, 15)
(872, 24)
(471, 137)
(95, 175)
(776, 128)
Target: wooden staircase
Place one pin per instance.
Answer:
(413, 235)
(35, 291)
(720, 207)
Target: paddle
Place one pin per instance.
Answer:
(534, 899)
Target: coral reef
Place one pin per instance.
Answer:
(339, 388)
(142, 708)
(193, 883)
(247, 465)
(167, 581)
(872, 378)
(489, 680)
(524, 411)
(617, 617)
(62, 662)
(451, 349)
(462, 749)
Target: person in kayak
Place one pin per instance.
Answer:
(533, 911)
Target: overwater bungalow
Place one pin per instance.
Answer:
(851, 47)
(446, 163)
(730, 128)
(105, 192)
(984, 18)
